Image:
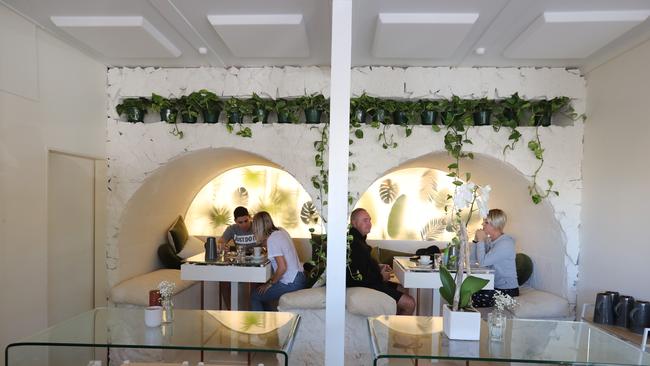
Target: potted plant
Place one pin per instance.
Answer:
(543, 110)
(460, 320)
(260, 108)
(210, 105)
(377, 112)
(166, 107)
(286, 111)
(236, 109)
(134, 108)
(313, 105)
(189, 109)
(512, 111)
(481, 111)
(455, 112)
(429, 111)
(359, 108)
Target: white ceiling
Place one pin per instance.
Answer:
(185, 33)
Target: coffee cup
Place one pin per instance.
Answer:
(153, 316)
(639, 317)
(425, 259)
(604, 310)
(257, 252)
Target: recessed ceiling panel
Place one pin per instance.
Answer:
(421, 35)
(118, 36)
(258, 36)
(572, 35)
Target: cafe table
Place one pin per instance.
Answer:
(118, 331)
(228, 268)
(411, 274)
(529, 341)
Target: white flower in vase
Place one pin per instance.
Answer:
(504, 301)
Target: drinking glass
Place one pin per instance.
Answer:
(241, 253)
(437, 260)
(496, 325)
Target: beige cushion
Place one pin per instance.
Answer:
(538, 304)
(309, 298)
(136, 290)
(359, 300)
(368, 302)
(193, 246)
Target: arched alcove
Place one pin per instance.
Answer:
(535, 228)
(164, 194)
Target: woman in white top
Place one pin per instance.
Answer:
(287, 275)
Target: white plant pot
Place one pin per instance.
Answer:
(461, 325)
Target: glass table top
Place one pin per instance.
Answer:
(537, 341)
(206, 330)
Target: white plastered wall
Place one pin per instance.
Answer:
(136, 151)
(51, 98)
(615, 251)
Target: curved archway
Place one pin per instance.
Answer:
(535, 228)
(166, 193)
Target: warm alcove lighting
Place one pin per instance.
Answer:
(258, 188)
(409, 204)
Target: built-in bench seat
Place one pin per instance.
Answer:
(538, 304)
(135, 290)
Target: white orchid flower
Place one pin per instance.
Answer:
(464, 195)
(483, 199)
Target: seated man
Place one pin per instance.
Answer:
(365, 271)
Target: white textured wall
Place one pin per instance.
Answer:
(616, 247)
(136, 151)
(51, 97)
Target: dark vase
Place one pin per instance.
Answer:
(235, 117)
(482, 118)
(188, 117)
(542, 119)
(379, 115)
(261, 115)
(312, 115)
(400, 118)
(428, 117)
(168, 115)
(284, 117)
(211, 115)
(135, 114)
(359, 115)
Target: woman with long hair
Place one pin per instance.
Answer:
(288, 273)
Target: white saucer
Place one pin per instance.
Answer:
(424, 263)
(257, 258)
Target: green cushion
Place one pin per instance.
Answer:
(385, 256)
(178, 234)
(524, 268)
(168, 257)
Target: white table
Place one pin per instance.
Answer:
(410, 275)
(196, 268)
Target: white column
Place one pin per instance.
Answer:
(337, 208)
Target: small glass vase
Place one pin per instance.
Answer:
(496, 326)
(168, 310)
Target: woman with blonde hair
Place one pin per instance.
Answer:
(287, 275)
(496, 250)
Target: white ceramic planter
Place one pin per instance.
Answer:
(461, 325)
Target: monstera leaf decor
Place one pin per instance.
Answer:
(388, 190)
(240, 196)
(308, 213)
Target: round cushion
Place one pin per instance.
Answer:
(524, 268)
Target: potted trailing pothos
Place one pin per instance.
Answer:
(210, 105)
(429, 111)
(260, 108)
(543, 110)
(313, 105)
(188, 109)
(460, 320)
(168, 109)
(287, 110)
(134, 108)
(482, 111)
(236, 109)
(359, 108)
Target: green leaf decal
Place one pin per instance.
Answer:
(240, 196)
(309, 214)
(433, 229)
(396, 216)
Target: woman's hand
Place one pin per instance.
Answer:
(480, 235)
(265, 287)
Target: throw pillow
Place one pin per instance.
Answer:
(320, 282)
(177, 234)
(524, 267)
(168, 257)
(193, 246)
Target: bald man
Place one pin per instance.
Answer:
(373, 274)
